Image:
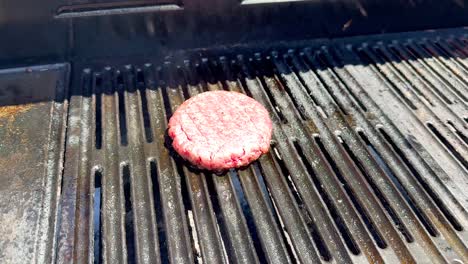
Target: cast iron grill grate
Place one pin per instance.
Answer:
(368, 160)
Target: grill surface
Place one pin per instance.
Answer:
(368, 160)
(33, 113)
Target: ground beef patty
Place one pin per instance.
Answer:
(219, 130)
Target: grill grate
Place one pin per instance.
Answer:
(368, 160)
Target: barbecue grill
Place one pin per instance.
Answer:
(369, 156)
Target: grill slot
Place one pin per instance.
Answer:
(291, 185)
(286, 237)
(235, 229)
(97, 91)
(259, 175)
(319, 243)
(291, 68)
(420, 87)
(194, 240)
(164, 253)
(275, 239)
(323, 63)
(355, 172)
(457, 46)
(144, 106)
(122, 115)
(97, 198)
(129, 222)
(217, 210)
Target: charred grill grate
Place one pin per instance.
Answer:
(368, 161)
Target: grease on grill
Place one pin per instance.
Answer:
(11, 111)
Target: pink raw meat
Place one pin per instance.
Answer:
(219, 130)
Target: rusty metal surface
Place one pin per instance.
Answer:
(368, 160)
(33, 114)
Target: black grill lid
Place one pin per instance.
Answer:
(56, 30)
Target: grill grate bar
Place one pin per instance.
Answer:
(306, 186)
(401, 175)
(274, 245)
(85, 149)
(208, 230)
(436, 84)
(112, 197)
(68, 203)
(456, 88)
(347, 170)
(239, 245)
(410, 120)
(442, 58)
(456, 47)
(450, 235)
(333, 165)
(276, 182)
(301, 180)
(401, 86)
(338, 220)
(424, 164)
(141, 192)
(175, 216)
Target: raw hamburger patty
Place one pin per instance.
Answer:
(219, 130)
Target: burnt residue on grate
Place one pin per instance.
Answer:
(368, 160)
